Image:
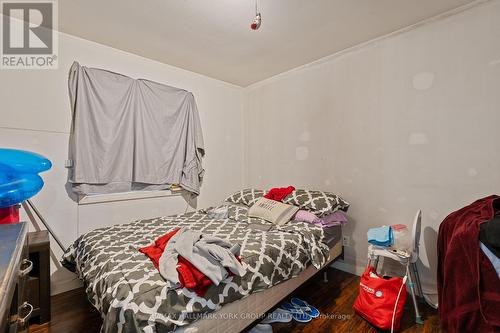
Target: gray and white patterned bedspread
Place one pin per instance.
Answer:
(125, 287)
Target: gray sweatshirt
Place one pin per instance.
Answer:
(210, 255)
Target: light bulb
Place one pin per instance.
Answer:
(256, 22)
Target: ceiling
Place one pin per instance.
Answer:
(212, 37)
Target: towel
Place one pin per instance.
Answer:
(381, 236)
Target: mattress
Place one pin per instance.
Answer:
(126, 288)
(332, 235)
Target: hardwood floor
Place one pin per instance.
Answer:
(335, 298)
(72, 313)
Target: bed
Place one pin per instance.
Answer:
(125, 287)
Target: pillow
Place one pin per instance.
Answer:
(272, 211)
(240, 213)
(246, 197)
(305, 216)
(317, 202)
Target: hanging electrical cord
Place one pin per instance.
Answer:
(258, 18)
(397, 298)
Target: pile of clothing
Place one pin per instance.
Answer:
(188, 259)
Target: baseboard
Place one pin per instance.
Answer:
(57, 288)
(349, 267)
(63, 280)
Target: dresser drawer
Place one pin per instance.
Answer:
(14, 269)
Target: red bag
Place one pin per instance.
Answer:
(377, 299)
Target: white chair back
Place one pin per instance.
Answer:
(415, 235)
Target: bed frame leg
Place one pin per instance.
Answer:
(325, 277)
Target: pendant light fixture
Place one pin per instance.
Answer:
(257, 20)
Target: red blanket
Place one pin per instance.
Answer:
(468, 286)
(279, 193)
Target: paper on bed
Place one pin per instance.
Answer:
(272, 211)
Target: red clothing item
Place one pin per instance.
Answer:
(189, 276)
(155, 250)
(468, 285)
(279, 193)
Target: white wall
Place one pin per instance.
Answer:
(403, 123)
(35, 115)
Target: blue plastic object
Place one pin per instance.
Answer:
(22, 161)
(19, 179)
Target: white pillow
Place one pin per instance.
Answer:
(273, 211)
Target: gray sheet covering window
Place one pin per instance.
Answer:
(132, 134)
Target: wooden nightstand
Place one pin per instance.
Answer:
(38, 288)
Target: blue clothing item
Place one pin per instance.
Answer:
(381, 236)
(495, 261)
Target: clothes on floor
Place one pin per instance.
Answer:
(468, 285)
(381, 236)
(279, 193)
(212, 256)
